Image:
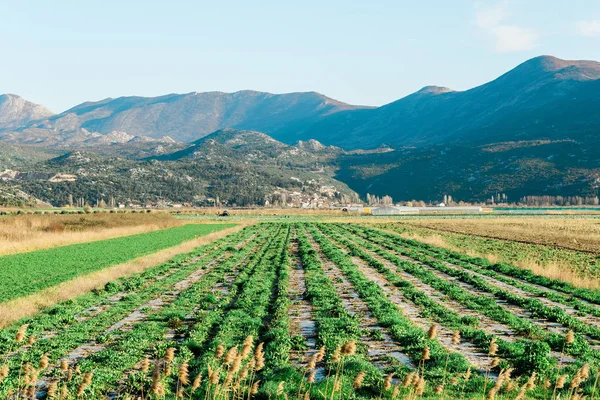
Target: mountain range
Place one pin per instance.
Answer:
(534, 130)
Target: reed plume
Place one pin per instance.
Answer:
(219, 351)
(349, 348)
(311, 377)
(425, 354)
(336, 357)
(570, 337)
(197, 382)
(408, 380)
(183, 374)
(358, 380)
(493, 347)
(44, 361)
(387, 383)
(259, 357)
(170, 354)
(52, 389)
(456, 337)
(4, 370)
(247, 347)
(64, 392)
(21, 333)
(145, 365)
(321, 354)
(495, 362)
(432, 333)
(231, 355)
(280, 388)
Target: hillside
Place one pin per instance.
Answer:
(16, 112)
(543, 98)
(475, 173)
(183, 117)
(235, 167)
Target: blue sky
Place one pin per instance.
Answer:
(65, 52)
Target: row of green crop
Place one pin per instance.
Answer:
(590, 295)
(334, 324)
(514, 352)
(147, 338)
(537, 307)
(63, 315)
(535, 355)
(246, 314)
(412, 338)
(484, 267)
(76, 334)
(26, 273)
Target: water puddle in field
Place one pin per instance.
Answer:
(382, 350)
(300, 311)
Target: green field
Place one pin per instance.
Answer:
(301, 310)
(26, 273)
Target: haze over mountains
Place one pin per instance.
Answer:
(539, 122)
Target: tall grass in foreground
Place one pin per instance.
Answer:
(237, 374)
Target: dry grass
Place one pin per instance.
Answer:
(22, 233)
(571, 233)
(554, 269)
(16, 309)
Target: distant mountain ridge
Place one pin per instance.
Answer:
(534, 130)
(544, 97)
(183, 117)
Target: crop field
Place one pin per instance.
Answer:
(25, 273)
(313, 310)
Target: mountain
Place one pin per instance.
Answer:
(183, 117)
(543, 98)
(16, 112)
(535, 130)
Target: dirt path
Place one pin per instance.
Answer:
(300, 311)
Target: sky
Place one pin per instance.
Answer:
(64, 52)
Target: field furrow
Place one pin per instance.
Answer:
(300, 312)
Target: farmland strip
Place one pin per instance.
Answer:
(388, 314)
(401, 284)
